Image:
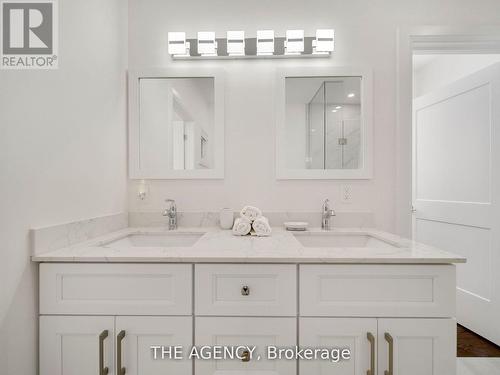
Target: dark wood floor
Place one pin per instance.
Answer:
(470, 344)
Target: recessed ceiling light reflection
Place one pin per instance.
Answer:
(334, 110)
(351, 95)
(338, 107)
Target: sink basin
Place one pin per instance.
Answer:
(157, 240)
(341, 240)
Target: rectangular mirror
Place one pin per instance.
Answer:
(177, 128)
(323, 124)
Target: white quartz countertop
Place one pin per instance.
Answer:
(220, 246)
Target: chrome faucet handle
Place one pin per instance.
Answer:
(171, 212)
(172, 209)
(326, 206)
(327, 214)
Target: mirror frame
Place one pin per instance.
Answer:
(366, 171)
(135, 172)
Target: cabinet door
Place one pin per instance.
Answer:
(356, 334)
(255, 331)
(73, 345)
(137, 334)
(419, 346)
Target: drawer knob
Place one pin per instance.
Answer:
(245, 290)
(245, 356)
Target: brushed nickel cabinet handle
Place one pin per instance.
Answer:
(119, 338)
(371, 338)
(102, 370)
(245, 290)
(390, 340)
(245, 356)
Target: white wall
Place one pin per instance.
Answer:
(365, 35)
(62, 156)
(433, 71)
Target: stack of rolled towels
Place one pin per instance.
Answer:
(251, 221)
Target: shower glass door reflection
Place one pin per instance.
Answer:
(333, 126)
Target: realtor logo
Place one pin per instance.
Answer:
(29, 34)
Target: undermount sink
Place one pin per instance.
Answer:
(157, 240)
(324, 239)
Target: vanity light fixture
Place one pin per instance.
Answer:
(236, 43)
(351, 95)
(324, 42)
(294, 42)
(177, 45)
(207, 45)
(265, 42)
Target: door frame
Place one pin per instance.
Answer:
(425, 39)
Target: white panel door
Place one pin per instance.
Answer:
(357, 334)
(73, 345)
(419, 346)
(137, 335)
(456, 189)
(257, 332)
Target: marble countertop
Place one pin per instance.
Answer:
(220, 246)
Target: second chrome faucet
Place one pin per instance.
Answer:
(171, 212)
(327, 215)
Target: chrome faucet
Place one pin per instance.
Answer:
(327, 214)
(171, 212)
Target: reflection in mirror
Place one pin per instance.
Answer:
(176, 117)
(323, 123)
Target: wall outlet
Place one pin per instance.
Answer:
(346, 194)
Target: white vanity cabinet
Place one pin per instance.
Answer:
(141, 333)
(76, 345)
(119, 301)
(259, 332)
(395, 319)
(419, 346)
(349, 333)
(400, 346)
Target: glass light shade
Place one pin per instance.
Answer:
(207, 45)
(325, 40)
(177, 43)
(265, 42)
(294, 43)
(236, 43)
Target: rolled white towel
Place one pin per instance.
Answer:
(261, 227)
(251, 213)
(242, 226)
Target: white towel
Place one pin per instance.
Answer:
(261, 227)
(251, 213)
(242, 226)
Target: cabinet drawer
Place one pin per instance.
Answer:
(377, 290)
(253, 289)
(255, 332)
(116, 289)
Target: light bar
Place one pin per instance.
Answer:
(234, 45)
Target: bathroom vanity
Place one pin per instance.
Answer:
(105, 302)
